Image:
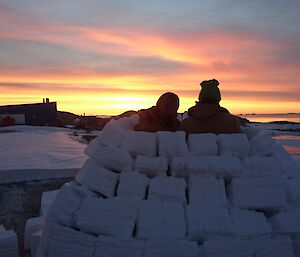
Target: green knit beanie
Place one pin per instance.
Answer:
(210, 91)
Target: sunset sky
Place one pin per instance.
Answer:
(106, 56)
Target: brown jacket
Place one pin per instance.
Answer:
(151, 122)
(210, 118)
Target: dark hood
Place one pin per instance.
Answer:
(205, 111)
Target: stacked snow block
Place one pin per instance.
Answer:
(32, 225)
(151, 166)
(233, 145)
(35, 241)
(287, 221)
(293, 189)
(203, 144)
(46, 201)
(8, 243)
(258, 193)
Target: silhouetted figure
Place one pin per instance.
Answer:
(207, 116)
(162, 117)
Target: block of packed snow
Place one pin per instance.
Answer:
(206, 222)
(119, 247)
(293, 189)
(112, 217)
(225, 166)
(249, 223)
(97, 178)
(139, 142)
(261, 166)
(249, 131)
(32, 225)
(151, 166)
(287, 221)
(228, 248)
(113, 158)
(170, 248)
(161, 219)
(273, 247)
(133, 184)
(112, 134)
(128, 123)
(296, 243)
(289, 167)
(8, 244)
(92, 146)
(262, 143)
(207, 191)
(233, 144)
(172, 143)
(35, 240)
(203, 144)
(66, 242)
(164, 188)
(46, 201)
(258, 193)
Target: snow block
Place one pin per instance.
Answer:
(112, 217)
(97, 178)
(163, 188)
(289, 167)
(258, 193)
(8, 244)
(296, 244)
(233, 144)
(32, 225)
(119, 247)
(161, 220)
(262, 144)
(128, 123)
(170, 248)
(92, 146)
(113, 158)
(138, 142)
(287, 221)
(35, 240)
(151, 166)
(249, 223)
(46, 202)
(205, 222)
(203, 144)
(207, 191)
(224, 166)
(66, 242)
(133, 184)
(293, 189)
(172, 143)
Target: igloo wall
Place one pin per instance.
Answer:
(164, 195)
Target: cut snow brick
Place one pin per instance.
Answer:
(287, 221)
(151, 166)
(293, 189)
(258, 193)
(92, 146)
(161, 220)
(8, 244)
(203, 144)
(170, 248)
(167, 189)
(224, 166)
(249, 223)
(112, 217)
(32, 225)
(172, 143)
(113, 158)
(262, 144)
(138, 142)
(207, 191)
(98, 178)
(46, 202)
(133, 184)
(206, 222)
(66, 242)
(35, 240)
(233, 144)
(128, 123)
(119, 247)
(289, 167)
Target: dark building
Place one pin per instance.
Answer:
(30, 114)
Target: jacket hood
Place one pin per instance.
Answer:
(205, 111)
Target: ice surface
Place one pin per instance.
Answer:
(133, 184)
(8, 244)
(207, 191)
(170, 248)
(287, 221)
(98, 178)
(233, 144)
(112, 217)
(203, 144)
(138, 142)
(258, 193)
(163, 188)
(151, 166)
(32, 225)
(262, 143)
(119, 247)
(113, 158)
(206, 222)
(161, 220)
(66, 242)
(172, 143)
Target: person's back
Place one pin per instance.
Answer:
(207, 116)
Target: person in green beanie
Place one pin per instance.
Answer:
(207, 116)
